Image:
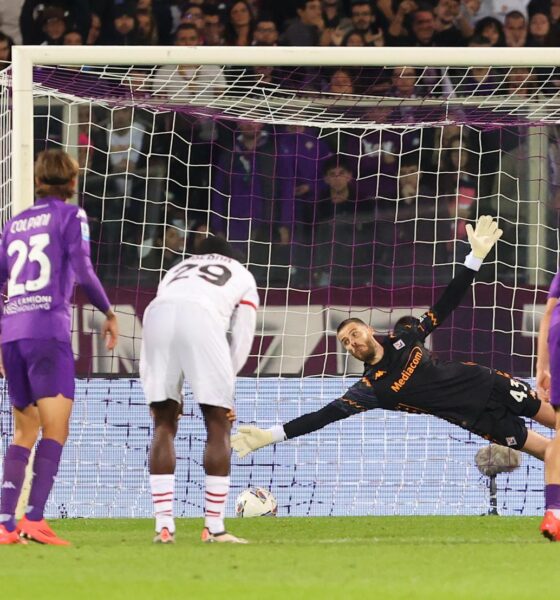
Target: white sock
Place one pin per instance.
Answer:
(163, 491)
(217, 490)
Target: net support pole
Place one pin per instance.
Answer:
(22, 130)
(537, 192)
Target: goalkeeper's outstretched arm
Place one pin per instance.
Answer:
(251, 438)
(482, 239)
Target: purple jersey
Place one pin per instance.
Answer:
(554, 342)
(554, 291)
(43, 252)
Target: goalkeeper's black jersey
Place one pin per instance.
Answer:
(409, 379)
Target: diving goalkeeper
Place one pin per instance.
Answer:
(401, 374)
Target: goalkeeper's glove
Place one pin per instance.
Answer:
(482, 240)
(251, 438)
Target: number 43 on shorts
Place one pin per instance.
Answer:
(519, 391)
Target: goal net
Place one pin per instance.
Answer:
(348, 189)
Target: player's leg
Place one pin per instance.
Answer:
(550, 526)
(511, 400)
(162, 466)
(502, 424)
(50, 367)
(206, 363)
(26, 424)
(546, 415)
(54, 414)
(26, 432)
(536, 444)
(217, 462)
(162, 381)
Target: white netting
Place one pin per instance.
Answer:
(348, 97)
(341, 202)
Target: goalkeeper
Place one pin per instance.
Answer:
(400, 374)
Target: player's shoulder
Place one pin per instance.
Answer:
(71, 210)
(33, 217)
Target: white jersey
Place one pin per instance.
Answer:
(220, 283)
(186, 326)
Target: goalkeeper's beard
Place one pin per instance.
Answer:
(369, 355)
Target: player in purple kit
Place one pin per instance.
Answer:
(43, 252)
(548, 388)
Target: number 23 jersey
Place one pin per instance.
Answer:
(217, 282)
(44, 251)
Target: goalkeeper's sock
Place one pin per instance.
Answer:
(552, 498)
(15, 462)
(45, 468)
(217, 490)
(163, 492)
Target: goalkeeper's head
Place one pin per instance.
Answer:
(358, 339)
(56, 174)
(218, 245)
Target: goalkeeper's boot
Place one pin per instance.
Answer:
(10, 537)
(164, 537)
(550, 526)
(221, 538)
(39, 531)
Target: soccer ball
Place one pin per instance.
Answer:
(256, 502)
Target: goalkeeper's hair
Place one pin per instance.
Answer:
(218, 245)
(347, 322)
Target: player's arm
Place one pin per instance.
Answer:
(355, 401)
(243, 324)
(482, 239)
(4, 273)
(543, 358)
(76, 238)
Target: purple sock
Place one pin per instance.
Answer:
(45, 468)
(15, 462)
(552, 496)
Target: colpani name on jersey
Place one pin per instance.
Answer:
(30, 223)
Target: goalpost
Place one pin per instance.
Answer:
(160, 158)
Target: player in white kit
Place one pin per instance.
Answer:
(186, 336)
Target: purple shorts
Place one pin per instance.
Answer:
(554, 352)
(38, 369)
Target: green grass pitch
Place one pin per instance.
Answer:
(472, 558)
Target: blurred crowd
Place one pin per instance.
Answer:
(513, 23)
(309, 207)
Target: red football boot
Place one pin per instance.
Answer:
(550, 526)
(9, 537)
(39, 531)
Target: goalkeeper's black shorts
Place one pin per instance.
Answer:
(501, 421)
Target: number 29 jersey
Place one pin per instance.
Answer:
(217, 282)
(44, 251)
